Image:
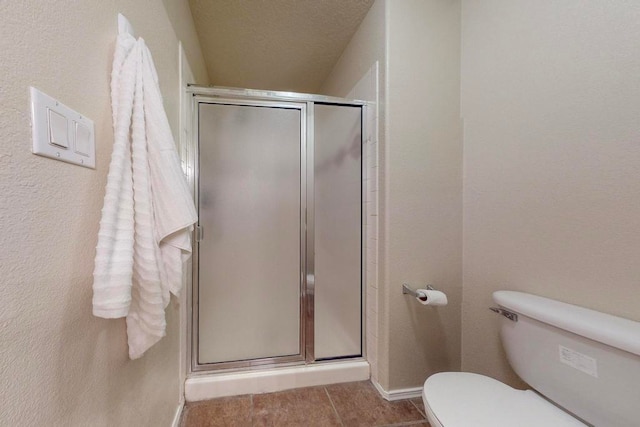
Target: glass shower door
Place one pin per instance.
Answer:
(250, 256)
(338, 231)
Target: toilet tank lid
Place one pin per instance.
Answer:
(614, 331)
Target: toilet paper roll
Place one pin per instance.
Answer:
(429, 297)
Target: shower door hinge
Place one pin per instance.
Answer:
(199, 233)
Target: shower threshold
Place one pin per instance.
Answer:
(214, 385)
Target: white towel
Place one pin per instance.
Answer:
(145, 230)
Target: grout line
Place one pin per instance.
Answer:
(419, 410)
(251, 409)
(333, 406)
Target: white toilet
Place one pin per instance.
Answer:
(583, 365)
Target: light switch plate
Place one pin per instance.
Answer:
(81, 147)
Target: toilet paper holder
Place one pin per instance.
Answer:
(407, 290)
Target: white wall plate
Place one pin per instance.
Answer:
(60, 132)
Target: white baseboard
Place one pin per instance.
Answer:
(403, 393)
(212, 386)
(178, 415)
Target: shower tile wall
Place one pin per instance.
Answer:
(367, 89)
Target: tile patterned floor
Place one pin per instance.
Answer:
(348, 405)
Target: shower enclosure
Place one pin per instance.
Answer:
(278, 253)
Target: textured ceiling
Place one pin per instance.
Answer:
(275, 44)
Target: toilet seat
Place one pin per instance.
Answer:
(462, 399)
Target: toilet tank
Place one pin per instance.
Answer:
(585, 361)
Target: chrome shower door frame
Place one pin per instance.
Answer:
(305, 103)
(196, 366)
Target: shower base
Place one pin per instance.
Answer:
(213, 385)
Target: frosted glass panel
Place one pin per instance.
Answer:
(249, 258)
(338, 231)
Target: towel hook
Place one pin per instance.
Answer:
(124, 26)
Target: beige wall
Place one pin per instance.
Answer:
(365, 48)
(551, 106)
(182, 22)
(420, 222)
(60, 365)
(423, 187)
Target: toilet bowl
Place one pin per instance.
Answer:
(466, 399)
(583, 366)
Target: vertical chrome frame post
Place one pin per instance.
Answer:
(304, 195)
(310, 231)
(192, 291)
(365, 144)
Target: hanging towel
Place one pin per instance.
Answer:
(148, 214)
